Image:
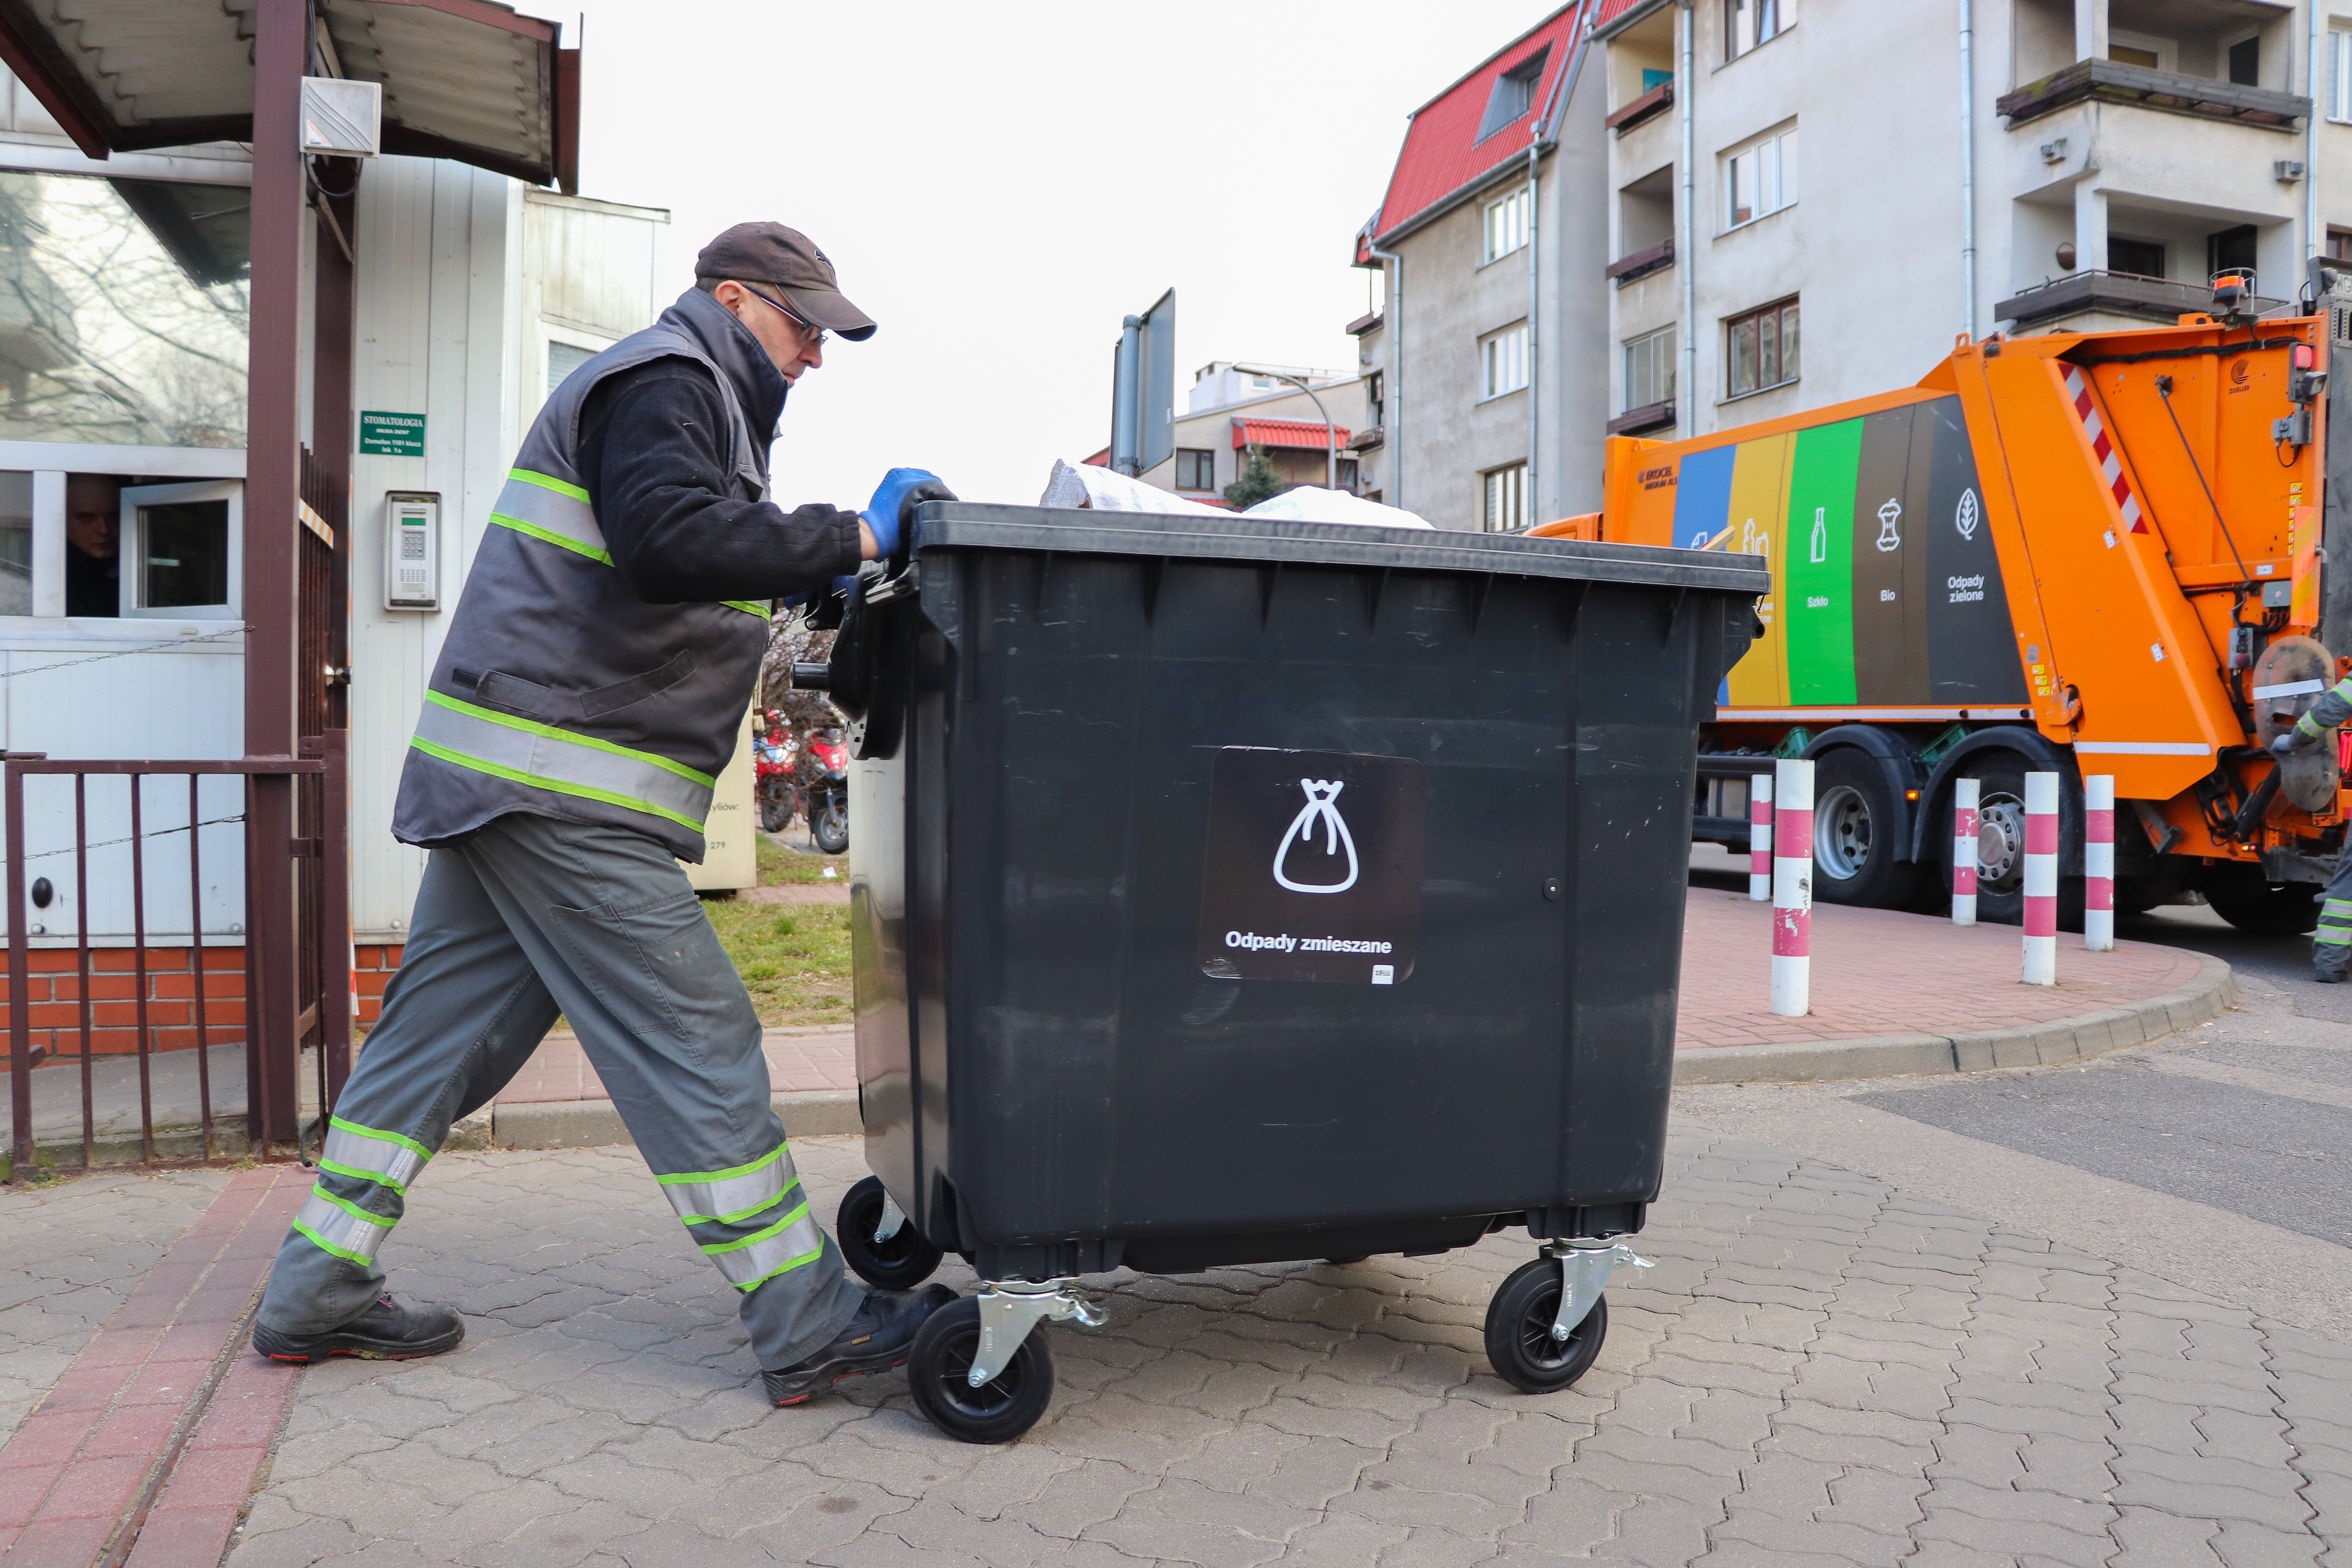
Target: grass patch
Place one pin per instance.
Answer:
(794, 958)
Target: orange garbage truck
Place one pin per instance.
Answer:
(2121, 552)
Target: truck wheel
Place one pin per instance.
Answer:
(2000, 845)
(1518, 1331)
(997, 1411)
(1853, 836)
(902, 1263)
(2288, 909)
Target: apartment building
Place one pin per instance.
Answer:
(1804, 201)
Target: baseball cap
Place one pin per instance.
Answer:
(789, 261)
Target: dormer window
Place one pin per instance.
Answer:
(1513, 93)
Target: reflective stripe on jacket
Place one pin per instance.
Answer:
(561, 692)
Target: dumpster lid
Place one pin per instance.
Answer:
(1066, 531)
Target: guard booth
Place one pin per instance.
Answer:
(280, 287)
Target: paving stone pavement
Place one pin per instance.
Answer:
(73, 1253)
(1821, 1369)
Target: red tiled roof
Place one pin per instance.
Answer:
(1441, 153)
(1308, 432)
(1612, 9)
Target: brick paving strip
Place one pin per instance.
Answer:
(158, 1421)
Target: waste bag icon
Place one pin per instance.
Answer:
(1322, 810)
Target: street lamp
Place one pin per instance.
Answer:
(1330, 431)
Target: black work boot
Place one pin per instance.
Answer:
(385, 1332)
(876, 1340)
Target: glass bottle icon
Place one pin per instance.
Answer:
(1821, 551)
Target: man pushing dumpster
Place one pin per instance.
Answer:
(589, 692)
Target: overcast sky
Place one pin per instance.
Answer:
(998, 186)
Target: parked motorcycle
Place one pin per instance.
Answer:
(773, 785)
(825, 791)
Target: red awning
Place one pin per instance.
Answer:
(1310, 434)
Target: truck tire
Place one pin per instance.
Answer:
(1853, 834)
(2000, 843)
(2290, 908)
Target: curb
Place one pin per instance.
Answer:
(2205, 997)
(595, 1125)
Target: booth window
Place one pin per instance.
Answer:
(181, 543)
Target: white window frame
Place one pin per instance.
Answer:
(2339, 74)
(1502, 490)
(1772, 158)
(1509, 213)
(570, 337)
(2165, 50)
(1501, 356)
(1734, 49)
(1640, 343)
(131, 549)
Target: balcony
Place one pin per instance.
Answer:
(1642, 262)
(1648, 417)
(1368, 440)
(1643, 110)
(2111, 81)
(2123, 294)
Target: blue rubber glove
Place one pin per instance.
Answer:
(885, 513)
(2288, 741)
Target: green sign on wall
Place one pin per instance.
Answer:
(392, 435)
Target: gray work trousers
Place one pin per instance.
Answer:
(2331, 943)
(523, 920)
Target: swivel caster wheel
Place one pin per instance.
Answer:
(1526, 1354)
(938, 1373)
(880, 1244)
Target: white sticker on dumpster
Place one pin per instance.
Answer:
(1312, 870)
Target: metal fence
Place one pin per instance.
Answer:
(288, 914)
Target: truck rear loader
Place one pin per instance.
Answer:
(2125, 552)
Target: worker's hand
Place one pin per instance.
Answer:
(886, 515)
(2287, 740)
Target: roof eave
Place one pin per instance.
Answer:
(1470, 188)
(1618, 24)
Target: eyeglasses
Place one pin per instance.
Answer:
(794, 317)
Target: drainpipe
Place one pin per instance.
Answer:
(2314, 240)
(1393, 416)
(1968, 171)
(1685, 243)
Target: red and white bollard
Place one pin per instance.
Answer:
(2099, 863)
(1964, 851)
(2041, 879)
(1760, 836)
(1792, 889)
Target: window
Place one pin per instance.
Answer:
(1195, 469)
(563, 359)
(2246, 62)
(1503, 361)
(1649, 370)
(1760, 178)
(15, 544)
(2146, 49)
(1513, 93)
(2339, 73)
(1747, 23)
(1761, 348)
(1375, 393)
(1507, 223)
(2124, 55)
(1348, 474)
(1654, 79)
(127, 315)
(2339, 244)
(2141, 257)
(1502, 498)
(181, 543)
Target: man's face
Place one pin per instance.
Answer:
(793, 347)
(93, 514)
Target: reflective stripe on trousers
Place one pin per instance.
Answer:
(2335, 922)
(732, 1195)
(546, 508)
(545, 757)
(791, 1243)
(342, 1228)
(372, 1154)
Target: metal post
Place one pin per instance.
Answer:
(1126, 400)
(20, 1014)
(1759, 838)
(2099, 863)
(273, 486)
(2041, 879)
(1793, 887)
(1966, 848)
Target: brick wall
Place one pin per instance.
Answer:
(372, 969)
(54, 997)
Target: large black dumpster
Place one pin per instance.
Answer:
(1227, 891)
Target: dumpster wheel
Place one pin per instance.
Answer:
(879, 1242)
(1537, 1345)
(939, 1371)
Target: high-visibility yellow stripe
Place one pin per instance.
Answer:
(601, 557)
(548, 481)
